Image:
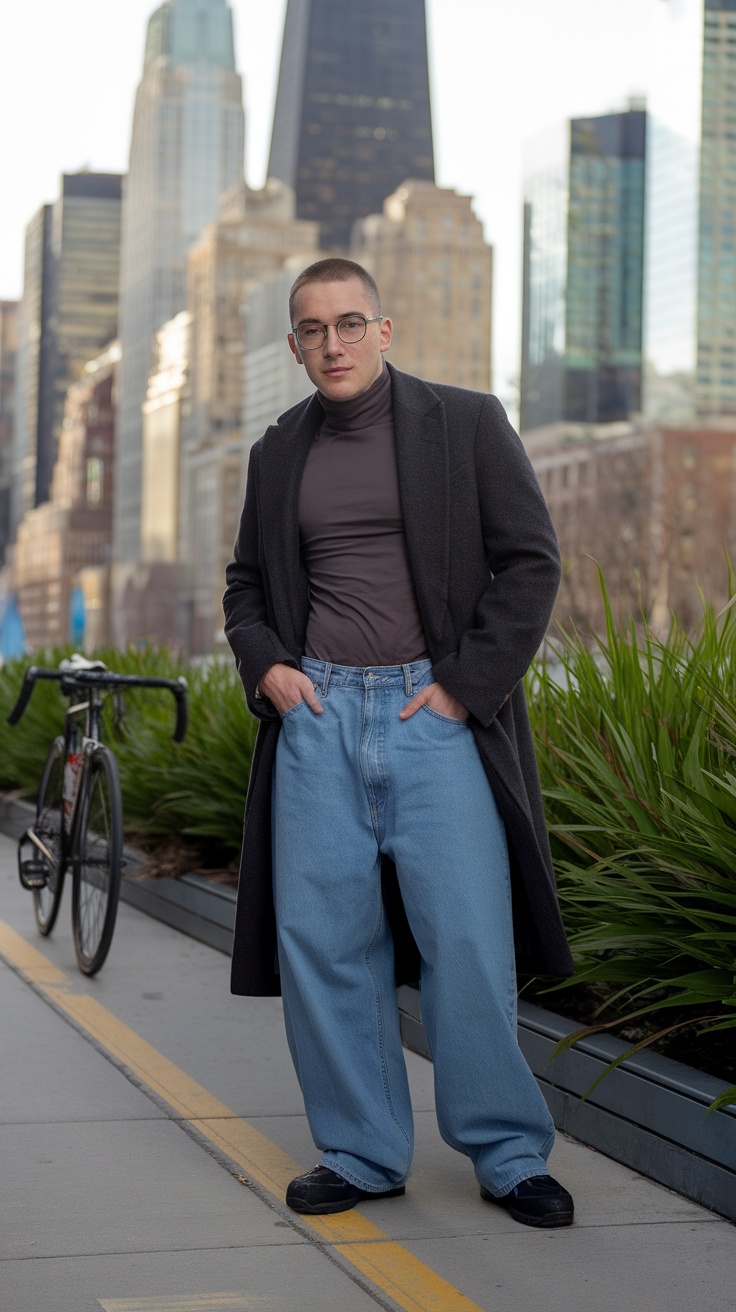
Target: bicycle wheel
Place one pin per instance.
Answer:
(97, 861)
(49, 828)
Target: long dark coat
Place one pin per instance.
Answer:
(486, 567)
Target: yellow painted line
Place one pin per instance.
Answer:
(389, 1266)
(36, 968)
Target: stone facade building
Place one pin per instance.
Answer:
(434, 270)
(71, 533)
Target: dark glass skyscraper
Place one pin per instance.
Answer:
(584, 274)
(352, 117)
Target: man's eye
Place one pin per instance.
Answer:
(308, 333)
(351, 324)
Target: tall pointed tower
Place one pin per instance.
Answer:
(352, 117)
(187, 148)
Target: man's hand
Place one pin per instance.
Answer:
(286, 687)
(437, 699)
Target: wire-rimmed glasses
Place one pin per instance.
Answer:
(350, 329)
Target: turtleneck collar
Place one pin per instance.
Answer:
(359, 412)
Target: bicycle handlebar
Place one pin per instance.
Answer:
(104, 679)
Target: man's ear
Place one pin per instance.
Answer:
(294, 348)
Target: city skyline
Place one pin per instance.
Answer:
(475, 85)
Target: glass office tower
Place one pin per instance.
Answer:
(584, 272)
(352, 118)
(33, 361)
(187, 148)
(69, 312)
(716, 372)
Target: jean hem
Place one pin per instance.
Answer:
(528, 1173)
(351, 1178)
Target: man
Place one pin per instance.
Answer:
(393, 577)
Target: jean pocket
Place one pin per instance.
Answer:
(445, 719)
(291, 709)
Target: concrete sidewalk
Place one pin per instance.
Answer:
(109, 1203)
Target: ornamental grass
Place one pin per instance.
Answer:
(636, 741)
(195, 789)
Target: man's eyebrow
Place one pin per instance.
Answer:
(348, 314)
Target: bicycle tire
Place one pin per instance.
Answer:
(49, 828)
(97, 861)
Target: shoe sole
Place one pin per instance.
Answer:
(549, 1222)
(325, 1209)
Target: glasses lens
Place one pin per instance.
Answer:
(309, 336)
(351, 329)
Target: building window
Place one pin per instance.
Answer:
(94, 481)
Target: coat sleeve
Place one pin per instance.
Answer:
(523, 558)
(255, 645)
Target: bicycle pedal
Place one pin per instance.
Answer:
(33, 873)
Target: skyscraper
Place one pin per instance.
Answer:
(716, 372)
(352, 118)
(671, 240)
(33, 361)
(428, 255)
(68, 313)
(187, 148)
(584, 273)
(8, 372)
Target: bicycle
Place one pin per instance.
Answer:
(79, 811)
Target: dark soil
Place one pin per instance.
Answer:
(180, 856)
(712, 1053)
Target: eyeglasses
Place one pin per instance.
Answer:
(351, 329)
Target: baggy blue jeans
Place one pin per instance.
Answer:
(349, 785)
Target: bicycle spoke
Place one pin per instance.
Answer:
(97, 875)
(48, 828)
(94, 869)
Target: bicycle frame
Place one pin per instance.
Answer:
(78, 743)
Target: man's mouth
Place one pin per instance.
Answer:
(337, 372)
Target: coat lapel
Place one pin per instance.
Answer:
(282, 465)
(420, 428)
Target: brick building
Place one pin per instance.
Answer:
(656, 508)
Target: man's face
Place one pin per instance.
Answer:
(340, 370)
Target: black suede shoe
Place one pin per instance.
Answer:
(321, 1191)
(539, 1200)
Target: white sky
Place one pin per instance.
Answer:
(501, 70)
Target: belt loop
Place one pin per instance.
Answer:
(326, 680)
(408, 689)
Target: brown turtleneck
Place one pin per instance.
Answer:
(363, 608)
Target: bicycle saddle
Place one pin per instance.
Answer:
(76, 662)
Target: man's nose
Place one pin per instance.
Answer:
(333, 343)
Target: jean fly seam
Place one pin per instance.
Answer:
(380, 759)
(326, 680)
(365, 731)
